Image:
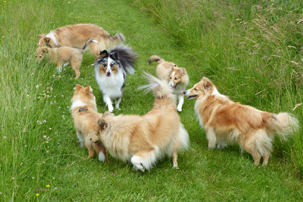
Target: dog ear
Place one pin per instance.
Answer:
(78, 87)
(103, 124)
(207, 83)
(182, 71)
(114, 56)
(103, 54)
(40, 36)
(88, 90)
(47, 39)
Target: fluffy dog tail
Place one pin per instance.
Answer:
(283, 124)
(160, 87)
(118, 37)
(87, 44)
(156, 58)
(126, 56)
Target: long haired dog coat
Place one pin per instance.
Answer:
(226, 122)
(143, 140)
(110, 72)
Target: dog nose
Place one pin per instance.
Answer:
(184, 92)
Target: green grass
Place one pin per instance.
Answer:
(252, 50)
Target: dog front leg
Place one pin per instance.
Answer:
(108, 102)
(211, 136)
(117, 103)
(181, 101)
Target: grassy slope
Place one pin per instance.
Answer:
(38, 142)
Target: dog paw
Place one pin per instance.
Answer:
(221, 145)
(101, 157)
(59, 69)
(179, 109)
(110, 109)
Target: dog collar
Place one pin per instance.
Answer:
(82, 109)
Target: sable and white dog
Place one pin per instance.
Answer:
(84, 112)
(77, 35)
(145, 139)
(227, 122)
(110, 72)
(63, 55)
(177, 77)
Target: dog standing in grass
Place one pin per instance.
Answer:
(110, 72)
(63, 55)
(84, 112)
(143, 140)
(226, 122)
(77, 35)
(176, 77)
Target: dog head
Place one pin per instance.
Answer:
(83, 96)
(94, 138)
(108, 64)
(103, 121)
(41, 52)
(204, 88)
(44, 40)
(175, 76)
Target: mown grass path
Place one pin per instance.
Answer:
(40, 157)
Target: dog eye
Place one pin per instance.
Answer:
(175, 78)
(169, 77)
(195, 88)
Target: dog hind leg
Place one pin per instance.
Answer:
(250, 146)
(175, 163)
(75, 65)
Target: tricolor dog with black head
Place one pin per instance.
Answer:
(177, 77)
(110, 72)
(227, 122)
(85, 114)
(143, 140)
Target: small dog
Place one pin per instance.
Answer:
(84, 112)
(77, 35)
(176, 77)
(145, 139)
(227, 122)
(62, 55)
(110, 72)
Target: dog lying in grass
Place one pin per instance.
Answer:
(226, 122)
(77, 35)
(84, 112)
(143, 140)
(176, 76)
(63, 55)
